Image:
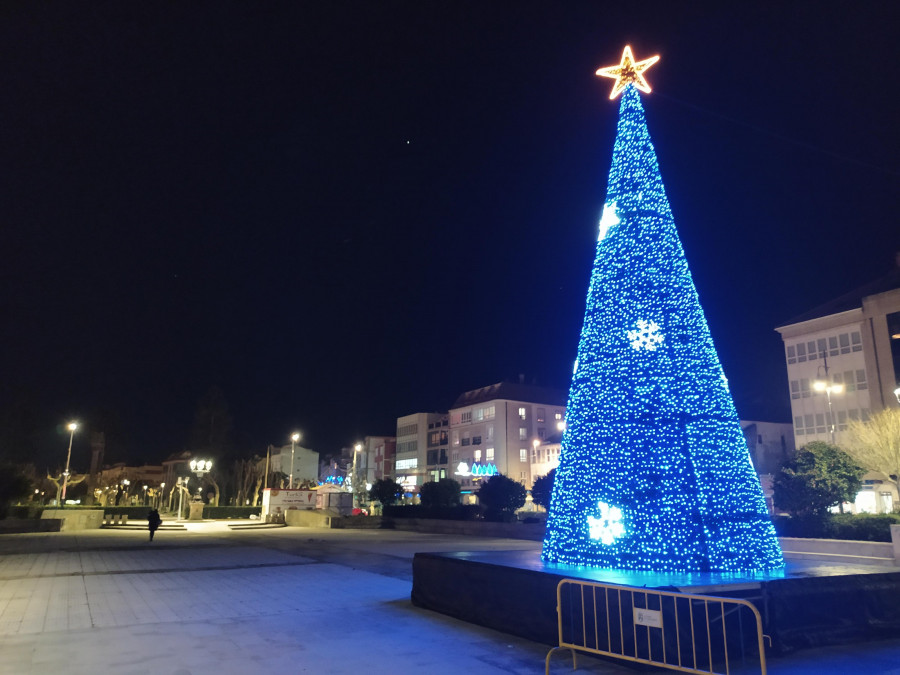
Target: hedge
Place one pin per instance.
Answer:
(133, 512)
(458, 512)
(223, 512)
(861, 527)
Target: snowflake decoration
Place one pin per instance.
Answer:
(645, 336)
(608, 219)
(608, 527)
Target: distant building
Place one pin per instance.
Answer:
(843, 364)
(495, 428)
(411, 461)
(377, 453)
(305, 462)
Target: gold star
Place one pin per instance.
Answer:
(628, 72)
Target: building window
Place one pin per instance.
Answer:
(522, 414)
(801, 353)
(864, 415)
(466, 417)
(842, 420)
(489, 432)
(455, 418)
(455, 456)
(476, 440)
(804, 388)
(855, 341)
(466, 440)
(861, 380)
(844, 339)
(489, 412)
(791, 354)
(832, 345)
(541, 414)
(478, 455)
(403, 464)
(455, 439)
(523, 455)
(811, 350)
(523, 433)
(408, 430)
(523, 476)
(558, 416)
(489, 455)
(478, 414)
(795, 388)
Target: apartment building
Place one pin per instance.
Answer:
(494, 430)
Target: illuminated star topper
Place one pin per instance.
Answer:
(628, 72)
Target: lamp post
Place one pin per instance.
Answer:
(829, 388)
(201, 467)
(294, 438)
(182, 483)
(356, 449)
(161, 495)
(535, 444)
(72, 426)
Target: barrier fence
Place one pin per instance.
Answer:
(683, 632)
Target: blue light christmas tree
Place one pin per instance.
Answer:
(654, 472)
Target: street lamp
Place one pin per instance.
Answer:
(897, 394)
(145, 495)
(294, 438)
(181, 482)
(162, 495)
(72, 426)
(356, 449)
(829, 388)
(201, 467)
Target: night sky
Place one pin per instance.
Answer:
(344, 212)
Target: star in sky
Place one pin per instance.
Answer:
(608, 219)
(628, 72)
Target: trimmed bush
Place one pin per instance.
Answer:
(861, 527)
(25, 512)
(458, 512)
(224, 512)
(133, 512)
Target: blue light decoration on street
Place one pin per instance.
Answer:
(654, 472)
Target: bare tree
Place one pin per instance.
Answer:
(876, 444)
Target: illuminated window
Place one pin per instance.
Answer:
(523, 433)
(489, 432)
(558, 416)
(489, 455)
(466, 417)
(523, 455)
(478, 455)
(489, 412)
(522, 414)
(478, 414)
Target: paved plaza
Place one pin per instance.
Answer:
(288, 600)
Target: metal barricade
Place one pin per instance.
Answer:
(688, 633)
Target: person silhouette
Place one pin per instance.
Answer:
(153, 522)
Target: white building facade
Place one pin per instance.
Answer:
(494, 430)
(843, 364)
(410, 462)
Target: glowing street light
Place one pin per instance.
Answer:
(829, 388)
(356, 449)
(72, 426)
(294, 438)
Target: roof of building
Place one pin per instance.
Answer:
(511, 391)
(851, 300)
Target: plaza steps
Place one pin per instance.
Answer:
(255, 526)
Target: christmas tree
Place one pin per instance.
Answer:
(654, 472)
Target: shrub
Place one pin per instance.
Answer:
(223, 512)
(458, 512)
(386, 490)
(861, 527)
(135, 512)
(501, 496)
(442, 493)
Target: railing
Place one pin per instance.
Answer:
(688, 633)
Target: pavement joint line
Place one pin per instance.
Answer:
(166, 570)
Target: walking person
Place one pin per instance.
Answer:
(153, 522)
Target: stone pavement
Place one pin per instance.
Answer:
(291, 600)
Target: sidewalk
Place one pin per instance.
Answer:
(212, 600)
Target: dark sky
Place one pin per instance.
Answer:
(343, 212)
